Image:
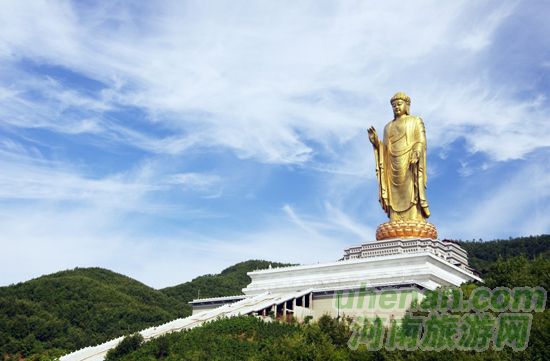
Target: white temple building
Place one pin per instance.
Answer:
(401, 266)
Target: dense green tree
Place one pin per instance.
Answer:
(482, 254)
(127, 345)
(248, 338)
(72, 309)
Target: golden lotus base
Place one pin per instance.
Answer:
(405, 229)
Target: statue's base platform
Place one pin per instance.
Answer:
(422, 267)
(406, 229)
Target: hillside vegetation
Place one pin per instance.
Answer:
(72, 309)
(482, 254)
(248, 338)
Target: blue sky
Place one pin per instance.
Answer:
(166, 140)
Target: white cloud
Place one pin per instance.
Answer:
(479, 36)
(346, 222)
(55, 108)
(489, 121)
(334, 224)
(296, 220)
(41, 181)
(27, 176)
(265, 80)
(194, 180)
(209, 184)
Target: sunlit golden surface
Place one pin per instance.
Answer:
(406, 229)
(401, 173)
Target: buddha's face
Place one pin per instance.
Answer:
(399, 107)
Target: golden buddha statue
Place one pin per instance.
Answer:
(401, 173)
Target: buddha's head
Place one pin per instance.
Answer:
(400, 104)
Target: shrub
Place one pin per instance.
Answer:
(127, 345)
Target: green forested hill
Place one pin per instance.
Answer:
(71, 309)
(482, 254)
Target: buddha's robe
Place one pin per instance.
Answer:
(402, 183)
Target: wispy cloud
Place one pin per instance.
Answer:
(333, 221)
(43, 180)
(27, 175)
(261, 81)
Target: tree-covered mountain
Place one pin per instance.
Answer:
(72, 309)
(482, 254)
